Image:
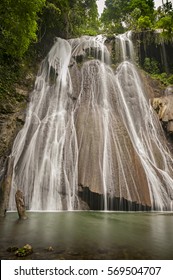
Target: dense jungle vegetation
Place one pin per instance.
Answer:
(137, 15)
(28, 28)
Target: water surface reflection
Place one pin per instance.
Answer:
(90, 235)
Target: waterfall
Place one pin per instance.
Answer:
(91, 134)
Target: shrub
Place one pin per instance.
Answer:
(151, 66)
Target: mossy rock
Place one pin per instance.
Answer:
(24, 251)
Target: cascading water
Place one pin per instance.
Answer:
(91, 131)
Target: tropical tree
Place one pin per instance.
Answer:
(83, 17)
(146, 7)
(135, 13)
(165, 19)
(22, 19)
(114, 15)
(141, 16)
(68, 18)
(18, 25)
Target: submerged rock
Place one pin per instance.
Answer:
(50, 249)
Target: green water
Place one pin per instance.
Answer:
(89, 235)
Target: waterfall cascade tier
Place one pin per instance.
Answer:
(91, 135)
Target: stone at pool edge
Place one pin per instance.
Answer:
(24, 251)
(20, 204)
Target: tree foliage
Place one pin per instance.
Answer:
(115, 10)
(165, 19)
(151, 66)
(68, 18)
(141, 14)
(22, 21)
(146, 7)
(18, 25)
(137, 14)
(114, 14)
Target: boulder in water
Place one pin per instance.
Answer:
(20, 203)
(24, 251)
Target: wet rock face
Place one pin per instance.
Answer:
(9, 126)
(6, 185)
(12, 117)
(9, 123)
(164, 108)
